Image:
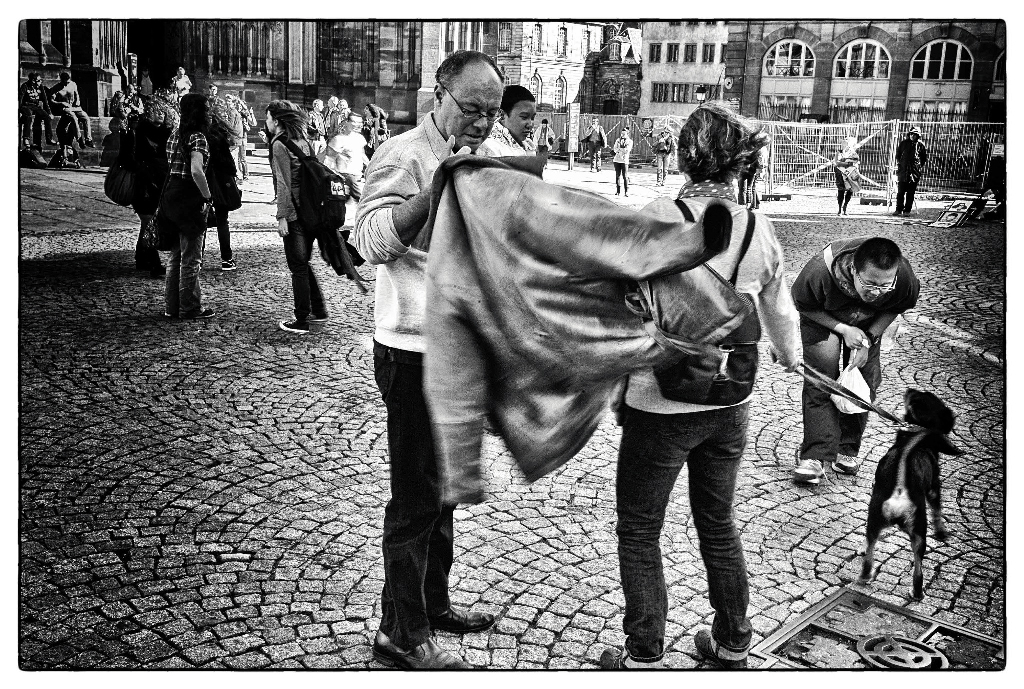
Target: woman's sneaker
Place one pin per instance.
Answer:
(712, 651)
(846, 464)
(808, 471)
(228, 264)
(300, 327)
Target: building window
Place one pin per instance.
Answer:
(615, 51)
(659, 92)
(673, 53)
(463, 35)
(504, 35)
(707, 53)
(655, 55)
(862, 60)
(942, 60)
(538, 34)
(563, 41)
(609, 33)
(560, 89)
(690, 52)
(721, 53)
(474, 40)
(449, 38)
(692, 23)
(586, 42)
(789, 59)
(674, 23)
(537, 87)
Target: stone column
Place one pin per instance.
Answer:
(430, 49)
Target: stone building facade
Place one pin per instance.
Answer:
(612, 76)
(896, 68)
(682, 59)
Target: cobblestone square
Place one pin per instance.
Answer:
(211, 494)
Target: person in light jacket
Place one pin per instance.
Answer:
(622, 147)
(596, 139)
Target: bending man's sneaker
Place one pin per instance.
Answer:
(711, 650)
(426, 656)
(458, 622)
(846, 464)
(619, 659)
(808, 471)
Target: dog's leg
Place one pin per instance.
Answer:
(868, 572)
(934, 496)
(918, 540)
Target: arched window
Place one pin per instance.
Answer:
(615, 50)
(942, 60)
(864, 59)
(538, 35)
(537, 87)
(789, 59)
(560, 89)
(609, 33)
(563, 41)
(1000, 71)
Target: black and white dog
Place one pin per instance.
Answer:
(908, 477)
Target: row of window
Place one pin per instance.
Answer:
(665, 92)
(537, 89)
(707, 54)
(944, 60)
(537, 38)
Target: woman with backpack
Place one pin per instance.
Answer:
(707, 431)
(184, 206)
(287, 124)
(224, 136)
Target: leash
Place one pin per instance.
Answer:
(823, 382)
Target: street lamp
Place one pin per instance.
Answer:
(701, 94)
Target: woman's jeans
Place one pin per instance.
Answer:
(298, 247)
(182, 295)
(827, 431)
(654, 449)
(224, 236)
(662, 160)
(621, 169)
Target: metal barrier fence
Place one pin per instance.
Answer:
(801, 155)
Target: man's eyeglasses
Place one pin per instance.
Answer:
(875, 289)
(474, 114)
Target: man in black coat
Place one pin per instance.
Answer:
(911, 157)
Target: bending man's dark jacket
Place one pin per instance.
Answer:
(526, 310)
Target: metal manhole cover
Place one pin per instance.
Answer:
(899, 653)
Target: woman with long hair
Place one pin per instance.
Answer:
(847, 166)
(225, 136)
(662, 432)
(622, 147)
(287, 125)
(185, 205)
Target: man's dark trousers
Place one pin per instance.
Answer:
(827, 431)
(595, 154)
(905, 196)
(418, 534)
(31, 118)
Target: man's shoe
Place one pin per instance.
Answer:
(808, 471)
(202, 315)
(228, 264)
(846, 464)
(458, 622)
(426, 656)
(300, 327)
(710, 650)
(618, 659)
(321, 318)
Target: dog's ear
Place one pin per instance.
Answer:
(941, 443)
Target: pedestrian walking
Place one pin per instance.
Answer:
(622, 147)
(317, 130)
(664, 146)
(418, 527)
(911, 157)
(181, 85)
(346, 153)
(847, 174)
(661, 434)
(596, 139)
(545, 140)
(847, 295)
(512, 134)
(286, 122)
(248, 122)
(185, 205)
(143, 151)
(34, 112)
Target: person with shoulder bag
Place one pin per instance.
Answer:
(695, 412)
(225, 132)
(288, 124)
(184, 205)
(143, 149)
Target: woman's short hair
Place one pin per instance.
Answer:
(292, 120)
(718, 144)
(195, 113)
(515, 94)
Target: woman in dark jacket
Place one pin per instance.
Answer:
(375, 127)
(184, 208)
(287, 124)
(142, 151)
(224, 136)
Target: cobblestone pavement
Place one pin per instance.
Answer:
(210, 495)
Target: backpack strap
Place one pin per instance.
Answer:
(751, 222)
(294, 148)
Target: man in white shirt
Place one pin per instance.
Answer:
(418, 527)
(346, 155)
